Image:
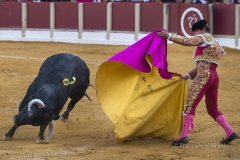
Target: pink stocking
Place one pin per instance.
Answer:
(191, 126)
(188, 119)
(221, 120)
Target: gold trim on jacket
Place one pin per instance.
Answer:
(213, 51)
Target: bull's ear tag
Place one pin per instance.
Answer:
(67, 82)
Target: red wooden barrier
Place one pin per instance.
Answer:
(123, 16)
(38, 15)
(189, 14)
(151, 16)
(95, 16)
(66, 15)
(224, 19)
(173, 17)
(181, 16)
(10, 15)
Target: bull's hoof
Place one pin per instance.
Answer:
(64, 119)
(6, 138)
(40, 141)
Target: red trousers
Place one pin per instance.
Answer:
(205, 83)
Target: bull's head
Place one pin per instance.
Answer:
(36, 114)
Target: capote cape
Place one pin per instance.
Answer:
(139, 95)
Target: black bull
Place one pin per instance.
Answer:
(60, 77)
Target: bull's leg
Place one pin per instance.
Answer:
(10, 133)
(40, 138)
(71, 105)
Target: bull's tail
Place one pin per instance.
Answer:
(87, 94)
(92, 86)
(88, 97)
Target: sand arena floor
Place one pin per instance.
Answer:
(88, 134)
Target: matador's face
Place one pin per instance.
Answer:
(199, 31)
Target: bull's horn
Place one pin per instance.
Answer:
(35, 101)
(51, 125)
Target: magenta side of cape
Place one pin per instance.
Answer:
(134, 55)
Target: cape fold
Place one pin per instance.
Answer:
(138, 93)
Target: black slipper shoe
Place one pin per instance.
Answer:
(180, 141)
(229, 139)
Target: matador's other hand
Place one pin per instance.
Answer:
(163, 34)
(185, 76)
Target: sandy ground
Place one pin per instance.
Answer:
(88, 134)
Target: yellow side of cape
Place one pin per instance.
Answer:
(141, 104)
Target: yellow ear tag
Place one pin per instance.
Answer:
(67, 82)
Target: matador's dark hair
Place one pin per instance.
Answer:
(200, 25)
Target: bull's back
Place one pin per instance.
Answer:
(64, 65)
(63, 62)
(52, 73)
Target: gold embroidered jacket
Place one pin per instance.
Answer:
(207, 48)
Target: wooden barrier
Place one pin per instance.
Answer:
(173, 18)
(38, 15)
(151, 17)
(24, 19)
(224, 19)
(137, 21)
(66, 15)
(95, 16)
(189, 14)
(10, 15)
(237, 24)
(52, 19)
(122, 16)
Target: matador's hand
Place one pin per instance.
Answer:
(185, 76)
(163, 34)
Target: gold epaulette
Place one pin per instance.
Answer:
(208, 39)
